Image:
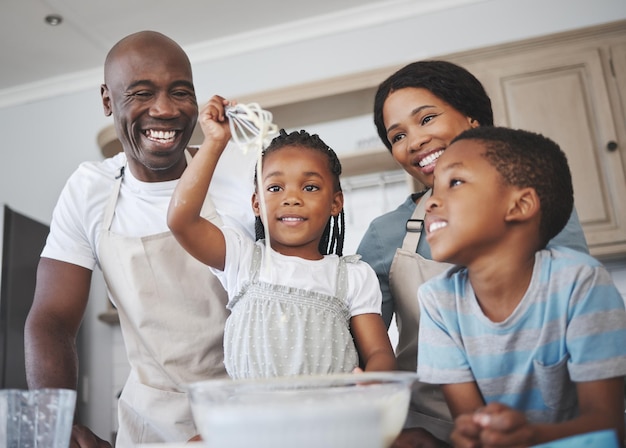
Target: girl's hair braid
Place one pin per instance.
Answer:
(334, 233)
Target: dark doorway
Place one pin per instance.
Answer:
(23, 239)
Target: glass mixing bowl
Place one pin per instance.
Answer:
(364, 410)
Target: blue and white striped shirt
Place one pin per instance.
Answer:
(570, 326)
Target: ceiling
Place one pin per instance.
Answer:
(32, 51)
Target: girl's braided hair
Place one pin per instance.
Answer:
(334, 233)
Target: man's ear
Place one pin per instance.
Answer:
(524, 205)
(106, 100)
(337, 204)
(256, 207)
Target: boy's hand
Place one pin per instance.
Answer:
(213, 121)
(466, 432)
(501, 426)
(417, 438)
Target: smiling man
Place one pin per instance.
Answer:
(113, 214)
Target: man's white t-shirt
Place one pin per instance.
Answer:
(141, 207)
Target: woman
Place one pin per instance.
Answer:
(417, 112)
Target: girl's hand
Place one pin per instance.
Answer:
(213, 121)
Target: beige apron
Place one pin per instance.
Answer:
(408, 271)
(172, 313)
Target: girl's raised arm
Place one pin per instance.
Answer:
(197, 235)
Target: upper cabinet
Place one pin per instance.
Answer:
(571, 88)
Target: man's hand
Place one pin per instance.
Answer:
(82, 437)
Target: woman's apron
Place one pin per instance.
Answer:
(172, 313)
(408, 271)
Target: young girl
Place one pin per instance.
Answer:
(306, 311)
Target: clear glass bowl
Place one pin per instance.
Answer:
(365, 410)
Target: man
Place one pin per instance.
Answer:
(113, 214)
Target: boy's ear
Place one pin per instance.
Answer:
(337, 204)
(524, 205)
(256, 207)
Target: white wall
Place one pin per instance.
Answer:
(43, 141)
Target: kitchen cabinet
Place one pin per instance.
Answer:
(571, 88)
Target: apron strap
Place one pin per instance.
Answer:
(415, 225)
(255, 263)
(342, 280)
(110, 207)
(208, 209)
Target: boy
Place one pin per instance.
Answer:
(528, 343)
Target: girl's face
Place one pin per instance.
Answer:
(420, 126)
(300, 196)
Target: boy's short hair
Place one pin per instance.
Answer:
(447, 81)
(526, 159)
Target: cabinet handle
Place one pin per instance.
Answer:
(611, 146)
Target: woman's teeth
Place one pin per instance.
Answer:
(430, 158)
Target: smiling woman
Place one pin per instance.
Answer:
(418, 111)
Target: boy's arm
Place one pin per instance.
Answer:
(198, 236)
(601, 406)
(463, 399)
